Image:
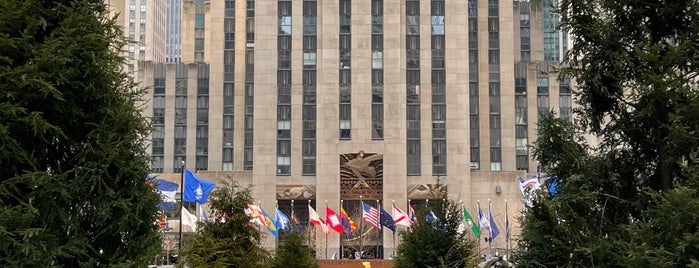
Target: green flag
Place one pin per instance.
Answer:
(474, 227)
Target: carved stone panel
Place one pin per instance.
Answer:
(296, 192)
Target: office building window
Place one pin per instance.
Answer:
(565, 99)
(439, 104)
(309, 117)
(412, 77)
(377, 82)
(202, 141)
(284, 89)
(473, 85)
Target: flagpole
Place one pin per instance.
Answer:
(393, 202)
(309, 227)
(361, 232)
(379, 233)
(507, 232)
(490, 231)
(342, 207)
(326, 234)
(179, 249)
(478, 211)
(276, 207)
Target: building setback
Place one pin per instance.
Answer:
(338, 102)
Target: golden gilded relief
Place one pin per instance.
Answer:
(361, 175)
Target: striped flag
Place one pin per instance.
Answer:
(401, 217)
(314, 218)
(370, 215)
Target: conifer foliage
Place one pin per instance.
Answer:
(439, 243)
(230, 240)
(72, 148)
(293, 253)
(630, 201)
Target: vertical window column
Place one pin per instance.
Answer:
(228, 84)
(439, 104)
(249, 84)
(494, 84)
(473, 86)
(199, 13)
(521, 132)
(309, 117)
(180, 153)
(377, 114)
(412, 77)
(284, 89)
(565, 100)
(202, 161)
(542, 91)
(551, 18)
(525, 31)
(158, 139)
(345, 70)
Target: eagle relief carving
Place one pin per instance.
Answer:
(361, 165)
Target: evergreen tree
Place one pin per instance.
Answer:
(436, 244)
(631, 200)
(230, 240)
(292, 253)
(72, 148)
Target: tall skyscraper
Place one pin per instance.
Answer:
(173, 35)
(143, 22)
(346, 101)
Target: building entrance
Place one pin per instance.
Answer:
(361, 182)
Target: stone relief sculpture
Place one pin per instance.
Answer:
(426, 191)
(289, 192)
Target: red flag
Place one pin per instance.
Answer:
(314, 218)
(333, 220)
(401, 217)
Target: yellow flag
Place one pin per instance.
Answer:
(366, 264)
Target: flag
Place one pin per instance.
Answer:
(196, 189)
(431, 216)
(494, 232)
(188, 219)
(333, 221)
(411, 213)
(400, 217)
(482, 219)
(469, 221)
(281, 220)
(347, 222)
(202, 215)
(387, 220)
(255, 214)
(370, 214)
(507, 225)
(270, 224)
(552, 187)
(314, 218)
(529, 182)
(167, 191)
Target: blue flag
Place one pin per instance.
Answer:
(387, 220)
(196, 189)
(431, 216)
(167, 191)
(552, 182)
(270, 224)
(281, 220)
(494, 232)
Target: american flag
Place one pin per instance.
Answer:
(370, 215)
